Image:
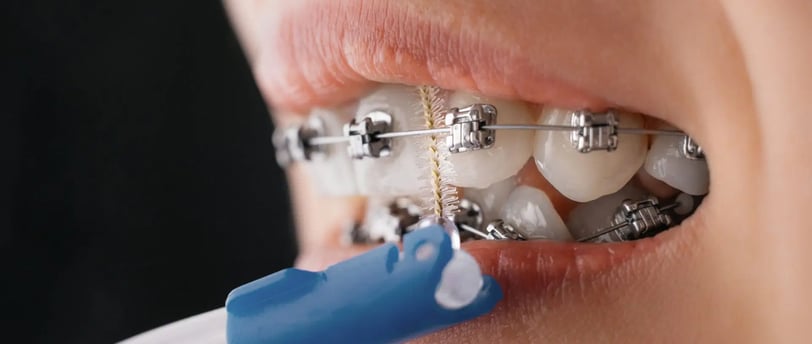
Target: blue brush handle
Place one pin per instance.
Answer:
(377, 297)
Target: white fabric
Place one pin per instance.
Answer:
(204, 328)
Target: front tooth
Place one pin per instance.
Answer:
(404, 171)
(588, 218)
(583, 177)
(666, 162)
(332, 171)
(530, 211)
(491, 199)
(508, 154)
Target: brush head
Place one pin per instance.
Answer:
(441, 197)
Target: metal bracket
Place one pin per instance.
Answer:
(499, 230)
(466, 132)
(596, 131)
(691, 149)
(469, 218)
(292, 143)
(363, 135)
(640, 218)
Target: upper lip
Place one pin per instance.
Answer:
(325, 53)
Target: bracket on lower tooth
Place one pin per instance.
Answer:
(640, 217)
(363, 135)
(596, 131)
(466, 128)
(292, 143)
(499, 230)
(691, 149)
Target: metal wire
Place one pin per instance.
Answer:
(330, 140)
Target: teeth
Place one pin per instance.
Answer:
(333, 172)
(405, 171)
(587, 218)
(532, 214)
(584, 177)
(666, 162)
(491, 198)
(655, 186)
(507, 156)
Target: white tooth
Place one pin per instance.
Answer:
(583, 177)
(510, 150)
(404, 172)
(491, 199)
(587, 218)
(533, 215)
(333, 171)
(666, 162)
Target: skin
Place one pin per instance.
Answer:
(736, 75)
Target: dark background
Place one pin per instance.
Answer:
(139, 184)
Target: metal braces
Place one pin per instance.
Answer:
(691, 149)
(467, 125)
(470, 128)
(596, 131)
(365, 135)
(296, 143)
(634, 219)
(637, 219)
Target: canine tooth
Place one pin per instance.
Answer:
(584, 177)
(587, 218)
(333, 171)
(666, 162)
(405, 171)
(532, 214)
(492, 198)
(510, 151)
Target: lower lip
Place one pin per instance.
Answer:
(528, 267)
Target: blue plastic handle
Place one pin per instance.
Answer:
(378, 297)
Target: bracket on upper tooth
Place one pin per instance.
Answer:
(499, 230)
(466, 128)
(363, 135)
(292, 143)
(691, 149)
(595, 131)
(640, 218)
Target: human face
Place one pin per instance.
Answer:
(735, 75)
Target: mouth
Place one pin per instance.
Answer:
(337, 62)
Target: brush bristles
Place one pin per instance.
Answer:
(442, 199)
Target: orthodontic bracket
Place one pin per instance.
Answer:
(294, 143)
(365, 139)
(466, 127)
(500, 230)
(595, 131)
(636, 219)
(691, 149)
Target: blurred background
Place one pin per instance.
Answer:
(139, 184)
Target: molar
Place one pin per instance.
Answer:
(532, 214)
(666, 163)
(584, 177)
(510, 150)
